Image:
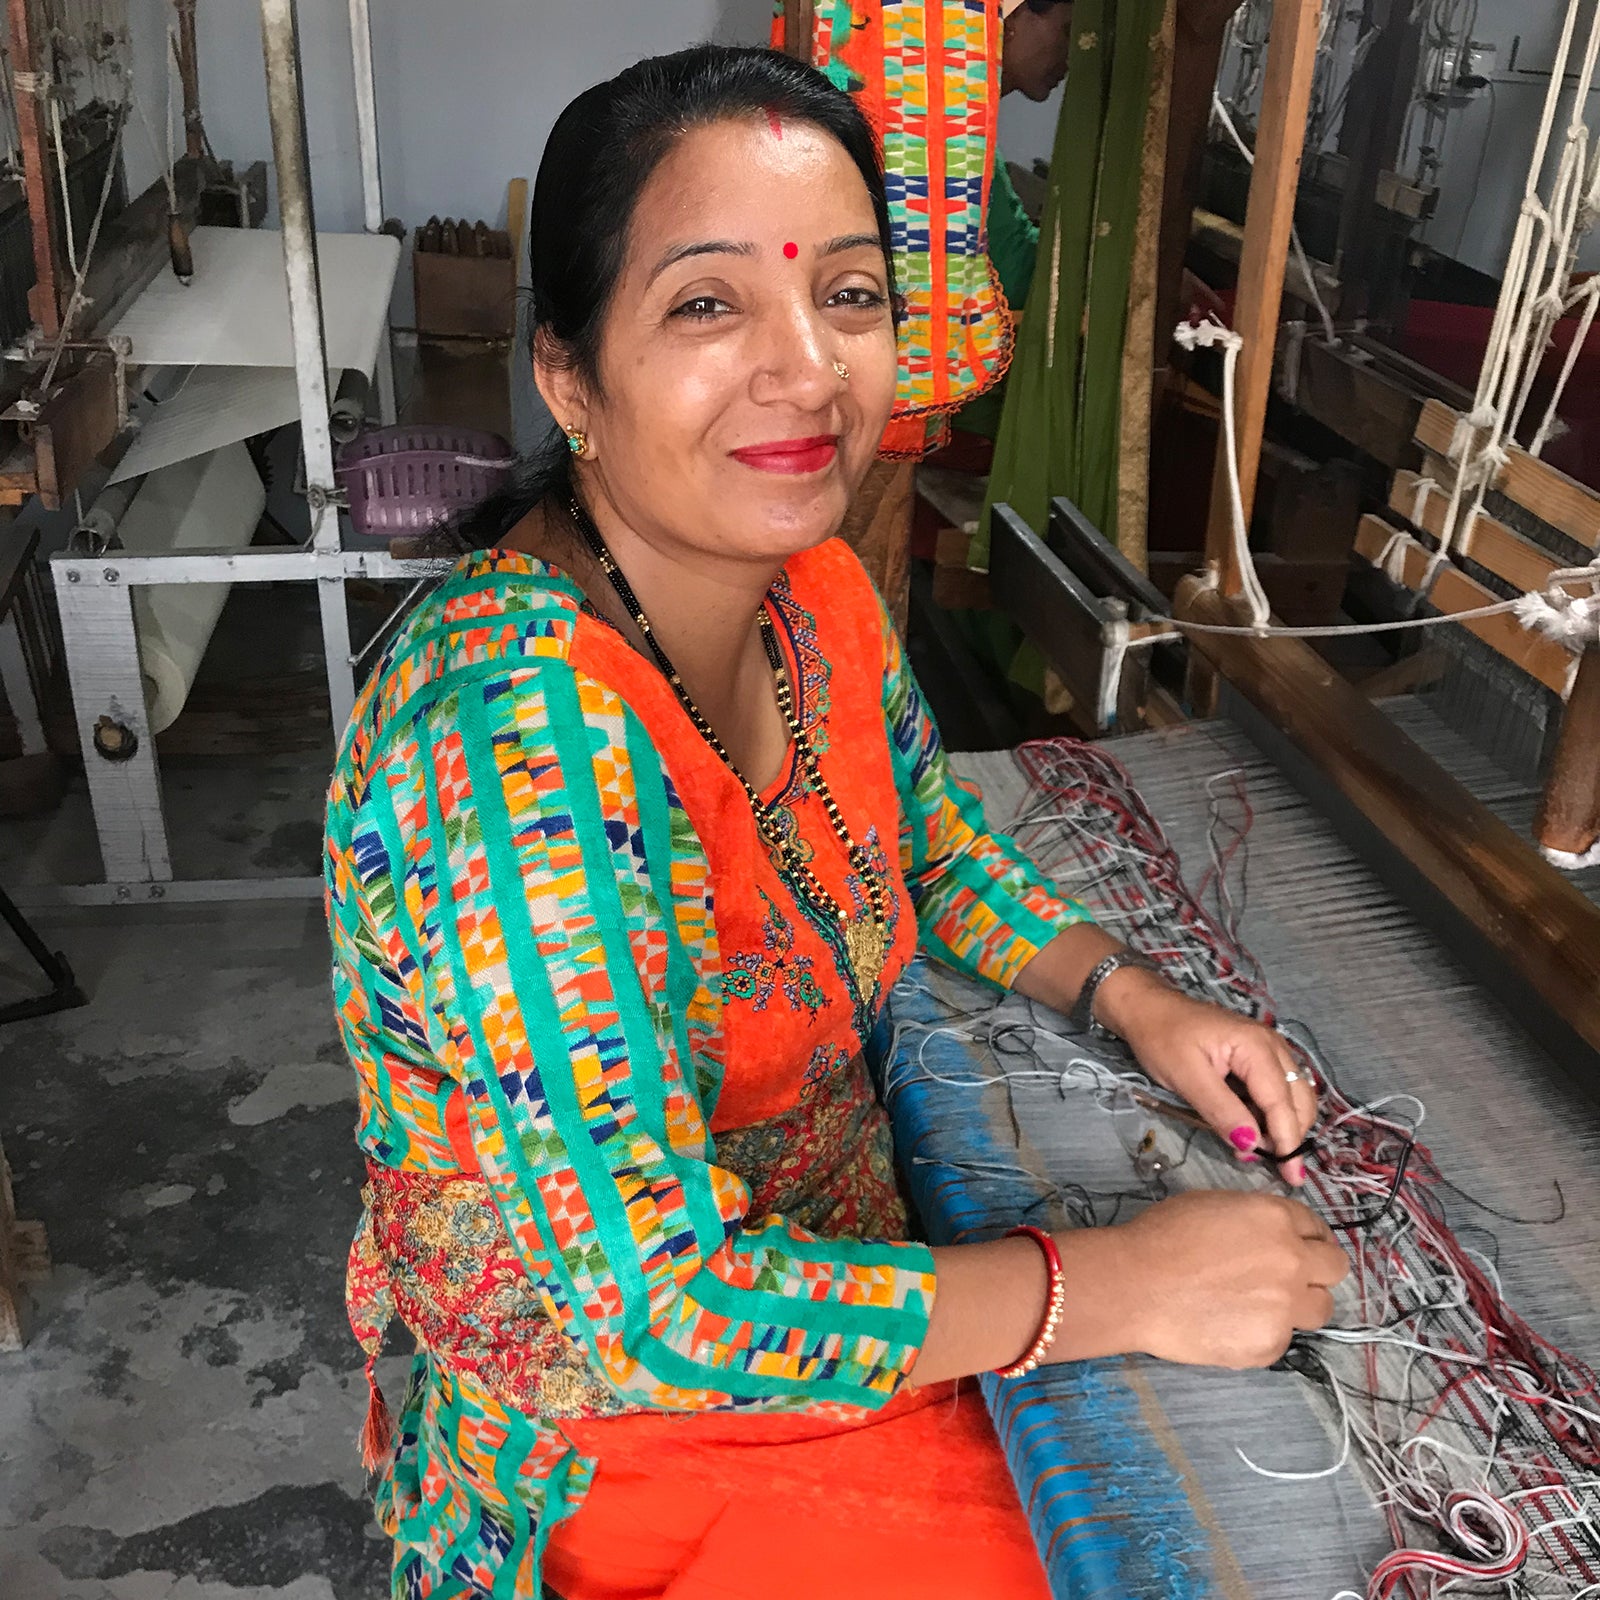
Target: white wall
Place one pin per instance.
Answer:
(467, 89)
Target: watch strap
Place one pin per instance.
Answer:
(1082, 1013)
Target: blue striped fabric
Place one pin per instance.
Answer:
(1107, 1509)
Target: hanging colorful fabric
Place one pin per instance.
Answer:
(927, 75)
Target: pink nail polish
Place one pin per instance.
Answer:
(1248, 1155)
(1243, 1138)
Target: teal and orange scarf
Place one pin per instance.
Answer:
(927, 74)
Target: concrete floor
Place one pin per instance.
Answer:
(183, 1420)
(182, 1423)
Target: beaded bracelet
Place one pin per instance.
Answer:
(1055, 1305)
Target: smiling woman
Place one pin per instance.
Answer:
(633, 830)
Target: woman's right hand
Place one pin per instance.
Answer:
(1225, 1279)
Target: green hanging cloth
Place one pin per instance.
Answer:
(1059, 432)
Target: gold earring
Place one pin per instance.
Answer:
(577, 441)
(842, 370)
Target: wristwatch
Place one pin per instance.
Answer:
(1082, 1013)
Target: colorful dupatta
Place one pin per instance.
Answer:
(927, 75)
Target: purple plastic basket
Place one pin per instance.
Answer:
(402, 481)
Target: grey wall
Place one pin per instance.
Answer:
(467, 89)
(1477, 216)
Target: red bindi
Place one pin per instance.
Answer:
(791, 250)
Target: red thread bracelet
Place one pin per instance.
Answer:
(1054, 1307)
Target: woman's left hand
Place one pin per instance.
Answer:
(1195, 1049)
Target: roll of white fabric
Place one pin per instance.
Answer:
(209, 502)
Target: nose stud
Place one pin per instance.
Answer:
(842, 370)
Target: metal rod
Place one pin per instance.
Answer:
(33, 84)
(287, 112)
(301, 564)
(286, 108)
(366, 113)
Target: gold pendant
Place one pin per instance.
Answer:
(866, 942)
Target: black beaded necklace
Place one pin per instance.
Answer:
(866, 937)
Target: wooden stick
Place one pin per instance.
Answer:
(1526, 931)
(1541, 658)
(799, 24)
(1280, 140)
(1485, 540)
(1143, 345)
(1535, 485)
(39, 179)
(189, 75)
(1569, 814)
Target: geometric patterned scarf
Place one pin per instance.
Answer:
(927, 75)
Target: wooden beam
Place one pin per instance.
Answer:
(1201, 27)
(1535, 485)
(1569, 813)
(1225, 238)
(24, 1259)
(1374, 411)
(1280, 141)
(1482, 539)
(1379, 97)
(1142, 346)
(1523, 929)
(39, 177)
(799, 20)
(1453, 590)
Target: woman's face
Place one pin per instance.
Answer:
(754, 273)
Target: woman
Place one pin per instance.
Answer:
(633, 830)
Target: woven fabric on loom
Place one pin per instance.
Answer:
(927, 75)
(1474, 1438)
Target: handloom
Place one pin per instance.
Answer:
(1454, 1442)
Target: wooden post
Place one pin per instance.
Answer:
(1201, 28)
(1144, 343)
(799, 23)
(1569, 815)
(24, 1258)
(1369, 140)
(188, 54)
(31, 80)
(1280, 140)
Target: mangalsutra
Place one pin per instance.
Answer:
(866, 937)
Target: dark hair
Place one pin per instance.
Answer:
(600, 155)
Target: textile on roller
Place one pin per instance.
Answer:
(1144, 1479)
(927, 75)
(209, 502)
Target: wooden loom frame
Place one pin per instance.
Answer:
(1522, 928)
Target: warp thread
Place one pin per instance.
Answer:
(1486, 1424)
